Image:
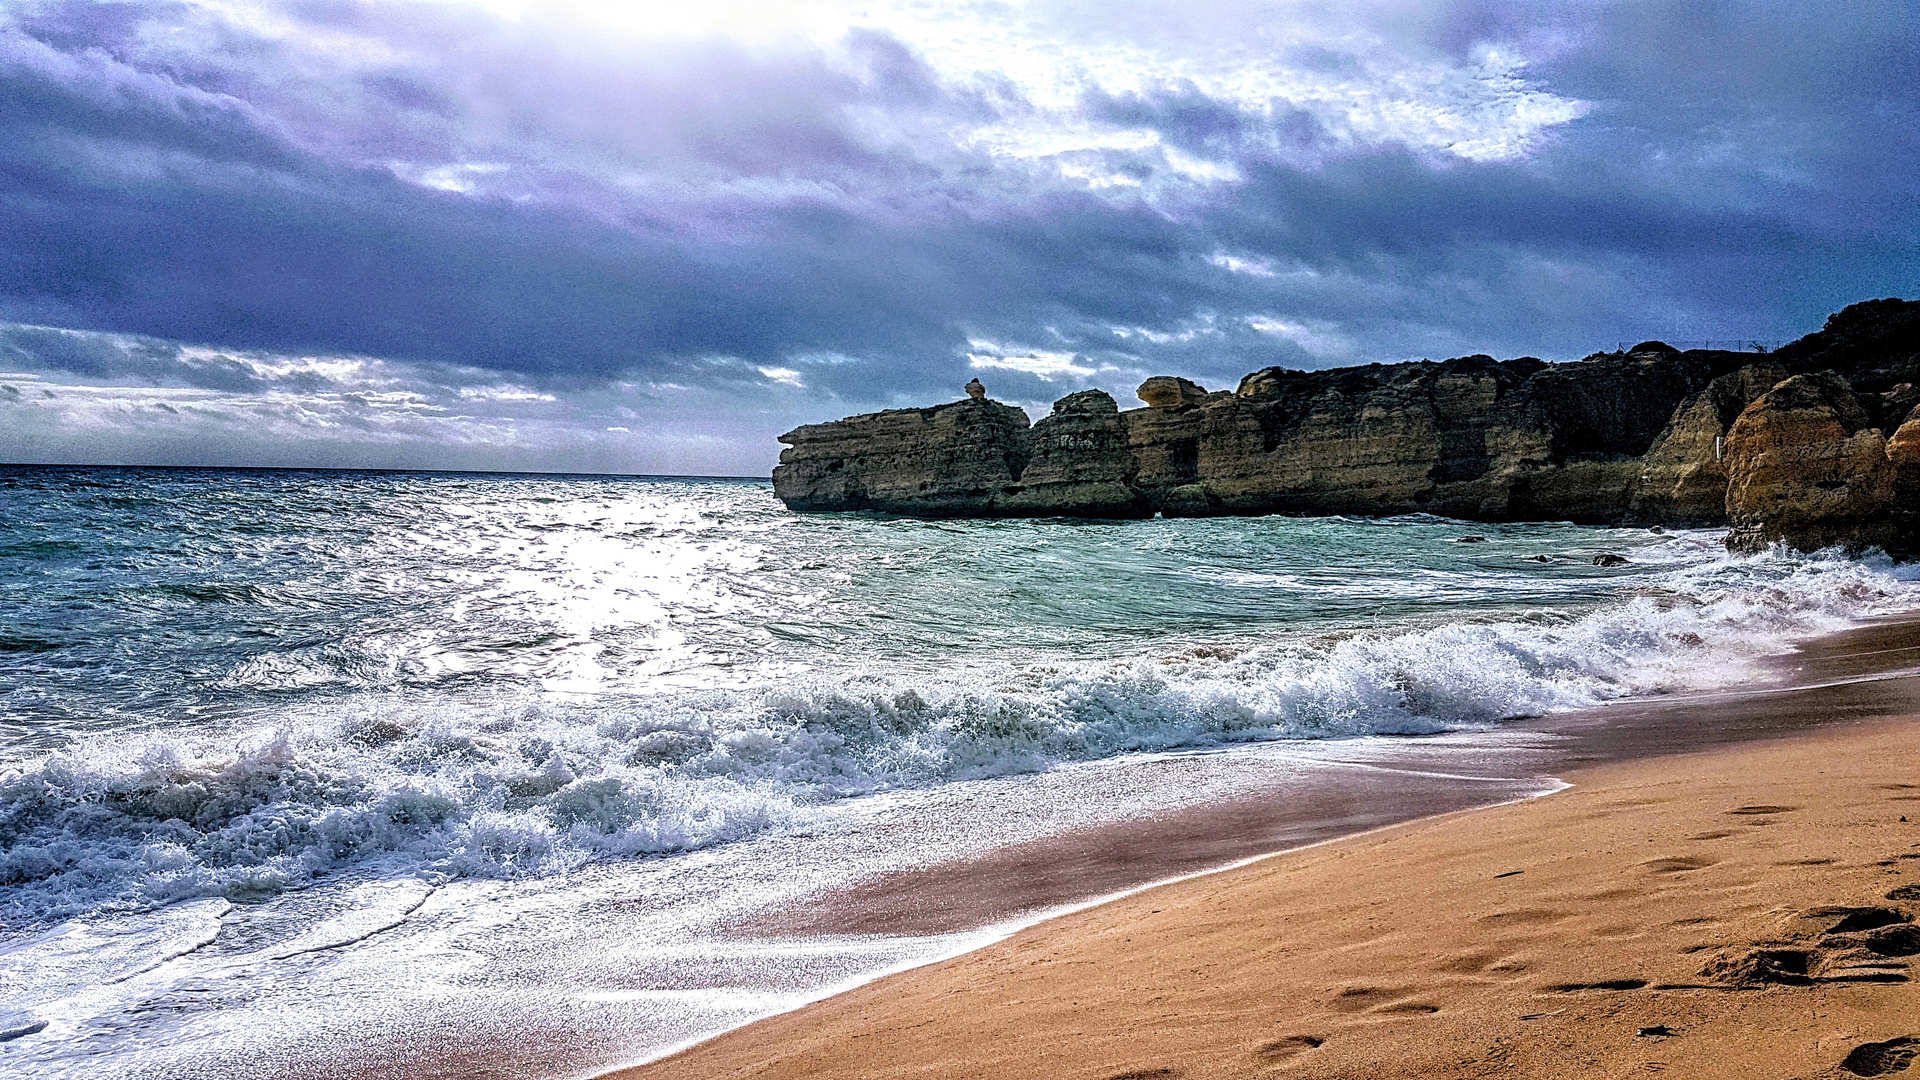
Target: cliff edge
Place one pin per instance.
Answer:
(1817, 443)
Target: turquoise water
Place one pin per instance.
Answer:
(161, 597)
(223, 683)
(309, 774)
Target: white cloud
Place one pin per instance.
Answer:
(1045, 363)
(503, 392)
(534, 83)
(137, 405)
(1321, 341)
(461, 178)
(1249, 265)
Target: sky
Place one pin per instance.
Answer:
(648, 238)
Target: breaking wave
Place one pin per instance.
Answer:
(463, 787)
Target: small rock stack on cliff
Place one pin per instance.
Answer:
(1815, 444)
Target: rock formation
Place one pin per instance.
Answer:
(947, 461)
(1784, 447)
(1803, 467)
(1167, 392)
(1078, 463)
(1683, 477)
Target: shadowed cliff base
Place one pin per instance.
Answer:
(1816, 444)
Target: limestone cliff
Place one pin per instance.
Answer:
(949, 460)
(1803, 467)
(1078, 463)
(1648, 435)
(1683, 476)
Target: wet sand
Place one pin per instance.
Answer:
(1466, 944)
(1859, 674)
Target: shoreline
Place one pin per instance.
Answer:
(1854, 673)
(1830, 687)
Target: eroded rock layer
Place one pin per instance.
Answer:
(1798, 446)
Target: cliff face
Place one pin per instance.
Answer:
(1079, 463)
(1683, 477)
(1650, 435)
(949, 460)
(1804, 467)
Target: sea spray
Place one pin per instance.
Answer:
(460, 784)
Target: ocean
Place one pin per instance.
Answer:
(303, 772)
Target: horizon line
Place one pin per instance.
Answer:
(380, 469)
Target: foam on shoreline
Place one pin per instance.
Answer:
(452, 788)
(1594, 934)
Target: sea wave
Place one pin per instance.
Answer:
(443, 788)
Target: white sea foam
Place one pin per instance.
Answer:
(446, 787)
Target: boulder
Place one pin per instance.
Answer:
(1874, 345)
(1903, 451)
(1804, 469)
(1901, 398)
(1168, 392)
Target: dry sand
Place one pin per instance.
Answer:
(1742, 912)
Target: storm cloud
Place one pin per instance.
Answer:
(645, 238)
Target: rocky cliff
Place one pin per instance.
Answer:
(1813, 444)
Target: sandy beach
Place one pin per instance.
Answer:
(1744, 909)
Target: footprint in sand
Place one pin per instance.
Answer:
(1407, 1008)
(1881, 1058)
(1678, 864)
(1848, 920)
(1475, 963)
(1895, 941)
(1363, 998)
(1604, 984)
(1522, 916)
(1856, 945)
(1291, 1046)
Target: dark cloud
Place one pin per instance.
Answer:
(1188, 118)
(432, 185)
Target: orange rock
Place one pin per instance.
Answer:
(1168, 392)
(1804, 469)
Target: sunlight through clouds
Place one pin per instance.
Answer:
(753, 214)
